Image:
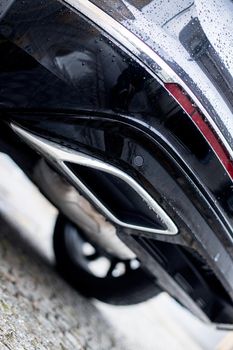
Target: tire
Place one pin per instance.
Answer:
(133, 287)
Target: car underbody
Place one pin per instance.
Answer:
(121, 113)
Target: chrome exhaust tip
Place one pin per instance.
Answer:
(133, 208)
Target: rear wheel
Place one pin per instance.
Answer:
(96, 273)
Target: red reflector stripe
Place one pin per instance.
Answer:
(219, 149)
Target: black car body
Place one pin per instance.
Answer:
(131, 102)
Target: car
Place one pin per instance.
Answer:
(121, 113)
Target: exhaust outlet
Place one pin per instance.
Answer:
(119, 197)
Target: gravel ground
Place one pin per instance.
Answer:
(39, 311)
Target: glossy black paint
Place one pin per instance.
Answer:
(63, 79)
(119, 140)
(165, 28)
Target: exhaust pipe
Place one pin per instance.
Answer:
(77, 208)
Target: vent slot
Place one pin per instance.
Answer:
(190, 137)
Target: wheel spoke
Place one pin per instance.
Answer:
(111, 268)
